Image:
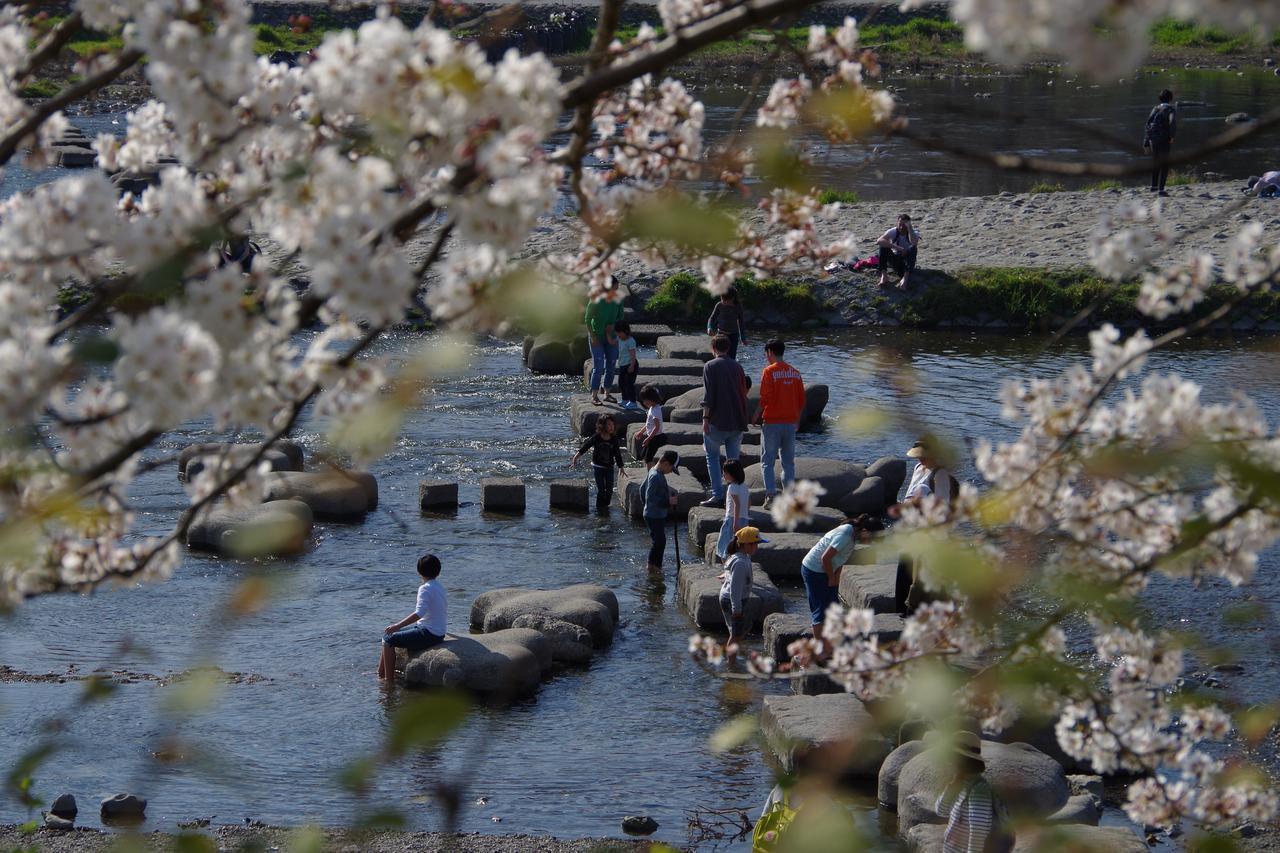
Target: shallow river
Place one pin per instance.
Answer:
(626, 735)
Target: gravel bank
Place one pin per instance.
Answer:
(346, 841)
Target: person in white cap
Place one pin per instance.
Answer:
(929, 477)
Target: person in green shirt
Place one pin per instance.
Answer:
(601, 317)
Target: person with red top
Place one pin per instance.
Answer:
(781, 407)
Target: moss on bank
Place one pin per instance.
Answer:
(682, 300)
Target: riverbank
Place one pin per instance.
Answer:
(277, 838)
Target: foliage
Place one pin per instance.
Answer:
(682, 298)
(1171, 33)
(919, 35)
(273, 37)
(1046, 187)
(1108, 184)
(1179, 178)
(40, 88)
(830, 196)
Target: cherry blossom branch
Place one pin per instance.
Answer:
(51, 45)
(9, 142)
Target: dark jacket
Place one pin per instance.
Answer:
(724, 394)
(726, 319)
(656, 494)
(1162, 125)
(604, 451)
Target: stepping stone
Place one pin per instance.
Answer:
(783, 629)
(684, 346)
(502, 494)
(284, 455)
(782, 554)
(668, 386)
(647, 334)
(553, 355)
(892, 472)
(588, 606)
(583, 414)
(1096, 839)
(331, 494)
(681, 436)
(508, 664)
(704, 521)
(571, 495)
(695, 457)
(437, 496)
(73, 157)
(837, 476)
(271, 529)
(688, 491)
(698, 591)
(1081, 809)
(658, 367)
(870, 587)
(815, 403)
(831, 730)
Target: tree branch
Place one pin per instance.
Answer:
(51, 46)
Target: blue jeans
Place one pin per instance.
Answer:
(604, 362)
(415, 638)
(658, 536)
(821, 595)
(778, 438)
(711, 442)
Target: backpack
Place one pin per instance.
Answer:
(769, 828)
(1159, 125)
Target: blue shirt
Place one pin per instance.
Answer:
(626, 351)
(656, 495)
(841, 539)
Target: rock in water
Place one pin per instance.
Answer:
(639, 825)
(58, 824)
(64, 806)
(838, 477)
(124, 806)
(593, 608)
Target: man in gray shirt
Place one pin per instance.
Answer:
(724, 413)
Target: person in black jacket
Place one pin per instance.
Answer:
(606, 451)
(1162, 127)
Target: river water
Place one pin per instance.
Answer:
(626, 735)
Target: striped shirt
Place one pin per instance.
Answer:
(972, 820)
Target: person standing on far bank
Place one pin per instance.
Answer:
(781, 407)
(727, 319)
(1162, 127)
(724, 413)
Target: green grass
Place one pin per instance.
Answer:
(40, 88)
(1108, 184)
(1046, 187)
(921, 36)
(1182, 179)
(840, 196)
(1180, 34)
(682, 299)
(273, 37)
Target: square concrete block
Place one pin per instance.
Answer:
(872, 587)
(503, 494)
(437, 495)
(571, 494)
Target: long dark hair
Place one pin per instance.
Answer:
(733, 546)
(731, 294)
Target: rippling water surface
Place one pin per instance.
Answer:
(626, 735)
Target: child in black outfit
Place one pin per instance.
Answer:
(606, 451)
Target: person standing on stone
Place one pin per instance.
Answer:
(928, 478)
(724, 413)
(898, 249)
(728, 319)
(651, 437)
(424, 627)
(658, 502)
(736, 586)
(820, 568)
(737, 506)
(628, 366)
(781, 407)
(1162, 127)
(976, 820)
(602, 317)
(606, 451)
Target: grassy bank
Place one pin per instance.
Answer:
(682, 300)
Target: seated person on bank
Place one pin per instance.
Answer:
(1268, 186)
(898, 248)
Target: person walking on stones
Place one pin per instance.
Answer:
(724, 413)
(781, 407)
(651, 438)
(898, 249)
(727, 319)
(737, 506)
(820, 568)
(658, 502)
(602, 317)
(424, 627)
(606, 451)
(928, 478)
(976, 818)
(628, 366)
(735, 586)
(1162, 127)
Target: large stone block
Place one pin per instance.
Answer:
(507, 664)
(331, 493)
(781, 555)
(668, 386)
(893, 473)
(1029, 782)
(588, 606)
(557, 355)
(833, 731)
(437, 496)
(887, 780)
(271, 529)
(694, 457)
(698, 590)
(657, 367)
(927, 838)
(867, 498)
(73, 157)
(681, 436)
(583, 414)
(283, 455)
(815, 402)
(502, 494)
(837, 476)
(572, 495)
(648, 334)
(873, 587)
(688, 491)
(705, 520)
(783, 629)
(1081, 809)
(684, 346)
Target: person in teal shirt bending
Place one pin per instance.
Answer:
(601, 318)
